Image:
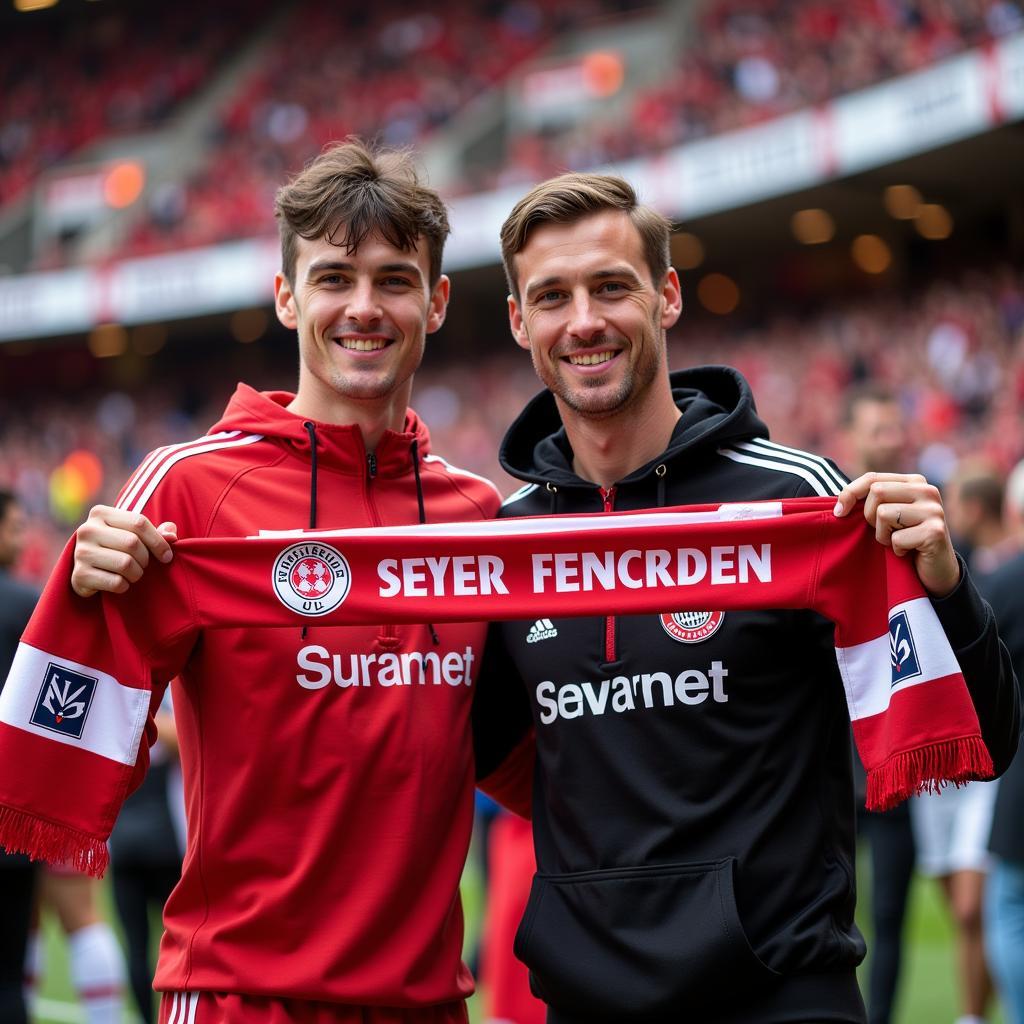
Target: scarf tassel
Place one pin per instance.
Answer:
(927, 770)
(57, 844)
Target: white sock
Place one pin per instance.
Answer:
(33, 967)
(969, 1018)
(98, 973)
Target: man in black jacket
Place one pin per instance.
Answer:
(695, 854)
(17, 874)
(1004, 895)
(695, 861)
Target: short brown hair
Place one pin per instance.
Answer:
(866, 393)
(352, 190)
(569, 198)
(980, 482)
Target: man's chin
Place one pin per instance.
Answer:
(364, 390)
(595, 402)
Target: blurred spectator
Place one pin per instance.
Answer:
(951, 827)
(17, 873)
(1004, 896)
(506, 980)
(145, 855)
(876, 440)
(974, 498)
(94, 954)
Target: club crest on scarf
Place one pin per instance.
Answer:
(312, 579)
(691, 627)
(902, 651)
(64, 700)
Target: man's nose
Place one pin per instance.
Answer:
(364, 306)
(586, 321)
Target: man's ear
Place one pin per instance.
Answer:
(515, 322)
(672, 299)
(284, 302)
(438, 303)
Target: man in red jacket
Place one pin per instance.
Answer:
(592, 303)
(329, 811)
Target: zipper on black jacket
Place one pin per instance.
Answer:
(608, 500)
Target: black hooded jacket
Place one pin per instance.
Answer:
(695, 839)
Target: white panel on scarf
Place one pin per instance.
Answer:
(867, 668)
(115, 716)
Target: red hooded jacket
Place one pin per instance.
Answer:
(328, 817)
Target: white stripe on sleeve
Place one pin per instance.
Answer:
(831, 477)
(779, 467)
(161, 471)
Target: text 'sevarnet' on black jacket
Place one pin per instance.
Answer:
(695, 854)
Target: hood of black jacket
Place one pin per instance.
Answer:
(717, 409)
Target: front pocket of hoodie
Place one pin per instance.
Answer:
(636, 941)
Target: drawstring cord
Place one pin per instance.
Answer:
(553, 501)
(311, 430)
(661, 473)
(414, 452)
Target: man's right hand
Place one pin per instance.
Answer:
(113, 548)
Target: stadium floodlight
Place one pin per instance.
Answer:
(108, 340)
(934, 222)
(687, 251)
(902, 201)
(249, 325)
(718, 294)
(871, 254)
(812, 226)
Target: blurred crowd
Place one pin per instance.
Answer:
(952, 353)
(65, 83)
(747, 61)
(400, 71)
(751, 60)
(395, 71)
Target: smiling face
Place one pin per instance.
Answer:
(590, 315)
(362, 320)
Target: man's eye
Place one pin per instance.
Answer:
(549, 296)
(331, 279)
(612, 286)
(397, 282)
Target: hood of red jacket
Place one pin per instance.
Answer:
(338, 445)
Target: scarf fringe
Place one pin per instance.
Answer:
(927, 770)
(57, 844)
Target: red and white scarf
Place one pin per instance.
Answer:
(79, 694)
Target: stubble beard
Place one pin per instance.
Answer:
(590, 397)
(354, 387)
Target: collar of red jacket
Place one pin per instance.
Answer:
(339, 445)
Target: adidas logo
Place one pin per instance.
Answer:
(542, 629)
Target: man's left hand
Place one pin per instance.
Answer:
(906, 513)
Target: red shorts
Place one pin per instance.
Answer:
(232, 1008)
